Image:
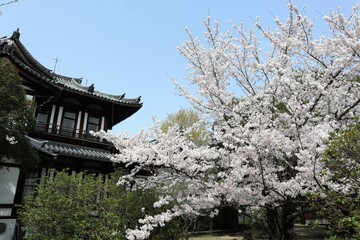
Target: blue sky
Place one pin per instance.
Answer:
(129, 46)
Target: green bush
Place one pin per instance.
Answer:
(82, 206)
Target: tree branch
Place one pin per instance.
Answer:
(8, 3)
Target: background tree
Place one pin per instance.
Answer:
(341, 206)
(188, 122)
(16, 117)
(271, 112)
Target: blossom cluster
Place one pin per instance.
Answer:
(11, 140)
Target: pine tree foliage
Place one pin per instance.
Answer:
(16, 117)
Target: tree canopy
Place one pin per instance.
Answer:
(16, 117)
(268, 133)
(186, 119)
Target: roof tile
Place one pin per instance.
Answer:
(56, 148)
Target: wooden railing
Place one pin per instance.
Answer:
(66, 132)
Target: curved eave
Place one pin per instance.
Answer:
(125, 102)
(20, 65)
(29, 59)
(28, 69)
(121, 113)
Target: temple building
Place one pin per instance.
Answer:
(66, 111)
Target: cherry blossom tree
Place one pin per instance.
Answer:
(6, 3)
(270, 113)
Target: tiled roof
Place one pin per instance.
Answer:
(63, 149)
(9, 46)
(74, 84)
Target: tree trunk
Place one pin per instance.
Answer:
(279, 226)
(288, 229)
(272, 226)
